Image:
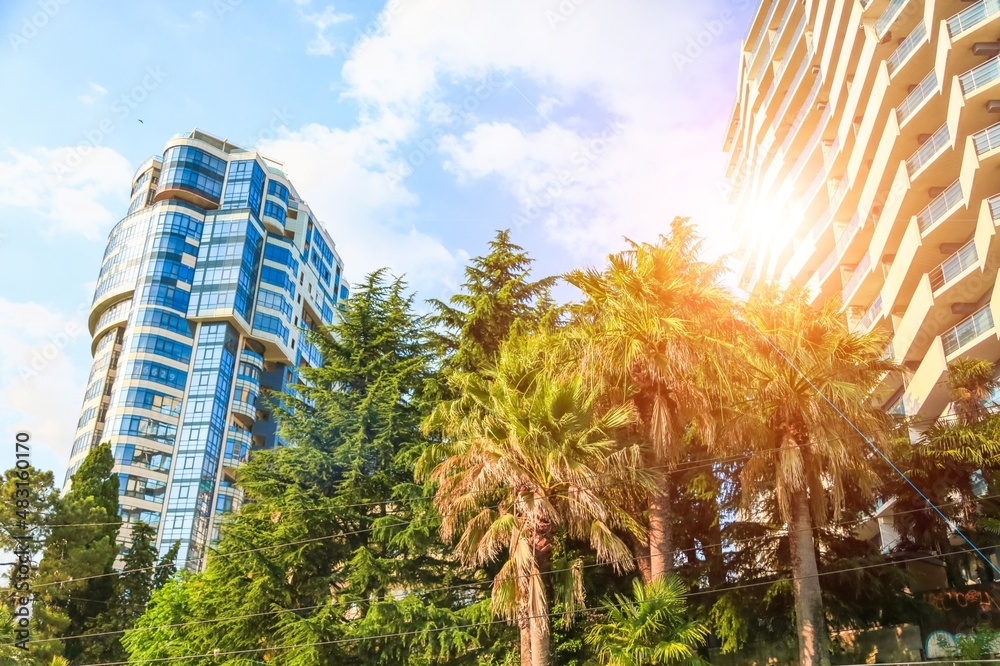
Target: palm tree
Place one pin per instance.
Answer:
(527, 459)
(651, 319)
(800, 373)
(650, 629)
(972, 383)
(951, 459)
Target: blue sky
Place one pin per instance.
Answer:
(414, 128)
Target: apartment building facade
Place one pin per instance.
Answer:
(206, 292)
(864, 147)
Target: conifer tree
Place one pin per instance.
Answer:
(140, 577)
(73, 586)
(498, 292)
(365, 535)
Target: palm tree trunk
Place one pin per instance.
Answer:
(540, 633)
(809, 617)
(661, 534)
(524, 625)
(640, 547)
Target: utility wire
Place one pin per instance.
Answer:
(401, 634)
(447, 588)
(875, 448)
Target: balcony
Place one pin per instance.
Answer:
(253, 358)
(859, 272)
(237, 448)
(936, 210)
(832, 259)
(972, 16)
(988, 139)
(953, 266)
(928, 151)
(917, 97)
(787, 100)
(801, 116)
(967, 330)
(888, 17)
(907, 47)
(873, 312)
(980, 76)
(245, 409)
(840, 192)
(995, 207)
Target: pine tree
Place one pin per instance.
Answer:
(132, 591)
(497, 294)
(355, 428)
(72, 587)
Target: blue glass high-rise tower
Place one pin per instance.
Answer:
(206, 291)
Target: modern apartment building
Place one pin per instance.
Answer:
(207, 288)
(864, 148)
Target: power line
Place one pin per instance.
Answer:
(492, 622)
(685, 466)
(874, 448)
(491, 580)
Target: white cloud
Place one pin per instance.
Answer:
(344, 177)
(79, 189)
(322, 21)
(96, 88)
(41, 387)
(612, 61)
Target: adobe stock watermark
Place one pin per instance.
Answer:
(556, 185)
(43, 355)
(32, 25)
(378, 24)
(563, 12)
(419, 154)
(223, 7)
(121, 108)
(709, 31)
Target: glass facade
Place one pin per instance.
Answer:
(194, 170)
(193, 482)
(196, 313)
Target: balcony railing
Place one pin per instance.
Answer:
(929, 150)
(972, 16)
(967, 330)
(917, 97)
(764, 30)
(988, 139)
(799, 75)
(888, 17)
(907, 47)
(838, 194)
(814, 186)
(811, 142)
(953, 266)
(936, 209)
(859, 272)
(871, 314)
(977, 77)
(995, 206)
(801, 116)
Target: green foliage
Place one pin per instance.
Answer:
(139, 579)
(81, 544)
(365, 534)
(527, 459)
(648, 629)
(497, 296)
